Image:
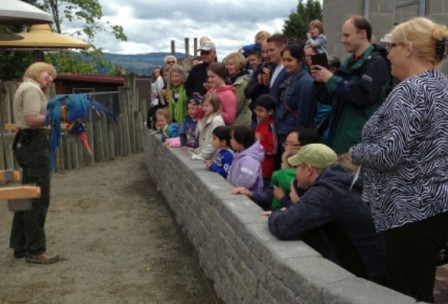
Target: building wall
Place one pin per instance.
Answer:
(380, 13)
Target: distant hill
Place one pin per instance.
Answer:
(140, 64)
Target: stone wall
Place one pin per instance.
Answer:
(235, 248)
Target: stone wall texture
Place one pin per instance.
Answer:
(245, 263)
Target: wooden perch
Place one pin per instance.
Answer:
(19, 192)
(15, 176)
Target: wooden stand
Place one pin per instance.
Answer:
(17, 192)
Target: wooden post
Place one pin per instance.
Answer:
(173, 47)
(187, 47)
(99, 151)
(195, 46)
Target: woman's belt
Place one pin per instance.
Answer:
(32, 132)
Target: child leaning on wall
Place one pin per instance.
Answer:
(164, 125)
(283, 178)
(221, 141)
(211, 108)
(246, 167)
(187, 137)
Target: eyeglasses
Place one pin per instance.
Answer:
(205, 52)
(290, 144)
(171, 62)
(391, 45)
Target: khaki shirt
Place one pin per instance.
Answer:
(28, 100)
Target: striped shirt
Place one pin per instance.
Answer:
(404, 154)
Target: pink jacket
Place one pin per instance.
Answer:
(228, 102)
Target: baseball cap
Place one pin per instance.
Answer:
(207, 46)
(319, 156)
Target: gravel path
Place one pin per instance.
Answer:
(117, 239)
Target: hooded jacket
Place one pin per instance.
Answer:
(204, 134)
(243, 112)
(228, 102)
(355, 91)
(246, 168)
(343, 222)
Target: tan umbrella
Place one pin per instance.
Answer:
(40, 37)
(14, 12)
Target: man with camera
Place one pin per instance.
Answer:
(357, 88)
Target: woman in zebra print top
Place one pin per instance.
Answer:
(404, 158)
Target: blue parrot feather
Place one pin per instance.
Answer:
(78, 107)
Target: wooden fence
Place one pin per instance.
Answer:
(107, 139)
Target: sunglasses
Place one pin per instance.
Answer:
(205, 52)
(170, 62)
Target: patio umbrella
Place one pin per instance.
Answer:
(40, 37)
(9, 36)
(13, 12)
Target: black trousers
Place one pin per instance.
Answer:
(411, 256)
(33, 155)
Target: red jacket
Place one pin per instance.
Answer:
(268, 139)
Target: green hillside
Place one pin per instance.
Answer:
(140, 64)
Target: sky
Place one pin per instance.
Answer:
(151, 25)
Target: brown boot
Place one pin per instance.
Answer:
(43, 258)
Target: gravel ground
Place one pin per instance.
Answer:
(117, 240)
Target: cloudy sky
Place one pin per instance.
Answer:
(151, 25)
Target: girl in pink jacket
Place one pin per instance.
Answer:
(219, 82)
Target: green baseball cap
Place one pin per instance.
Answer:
(319, 156)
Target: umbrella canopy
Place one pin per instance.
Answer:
(8, 37)
(14, 12)
(40, 36)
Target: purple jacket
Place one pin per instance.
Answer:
(246, 168)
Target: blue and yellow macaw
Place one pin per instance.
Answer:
(71, 108)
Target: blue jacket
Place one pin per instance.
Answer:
(340, 221)
(222, 162)
(282, 76)
(295, 107)
(188, 133)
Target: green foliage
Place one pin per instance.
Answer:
(13, 64)
(88, 11)
(296, 26)
(84, 62)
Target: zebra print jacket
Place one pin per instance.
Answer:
(404, 154)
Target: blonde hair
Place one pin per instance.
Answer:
(428, 39)
(33, 71)
(238, 60)
(214, 100)
(345, 160)
(262, 35)
(165, 112)
(317, 24)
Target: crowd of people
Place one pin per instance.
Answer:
(348, 156)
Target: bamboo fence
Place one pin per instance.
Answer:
(107, 139)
